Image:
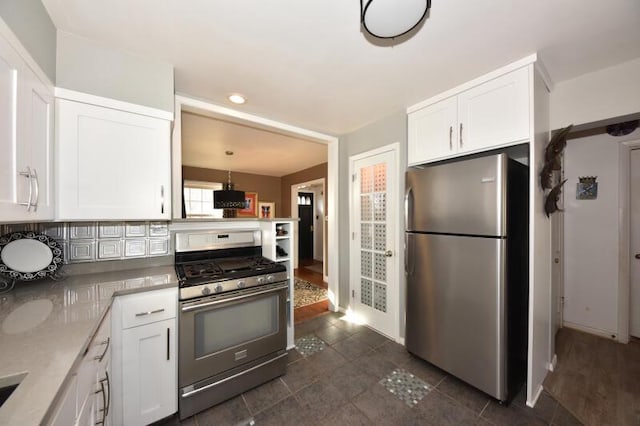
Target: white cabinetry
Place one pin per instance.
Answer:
(490, 115)
(26, 138)
(145, 386)
(277, 245)
(87, 397)
(111, 164)
(433, 132)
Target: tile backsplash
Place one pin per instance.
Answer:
(98, 241)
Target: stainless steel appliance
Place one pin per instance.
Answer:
(467, 270)
(233, 324)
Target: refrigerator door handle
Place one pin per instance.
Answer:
(408, 254)
(408, 209)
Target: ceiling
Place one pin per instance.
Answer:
(205, 140)
(306, 63)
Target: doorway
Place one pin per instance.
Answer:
(306, 210)
(634, 215)
(375, 281)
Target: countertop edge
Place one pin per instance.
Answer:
(60, 392)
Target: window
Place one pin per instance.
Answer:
(198, 199)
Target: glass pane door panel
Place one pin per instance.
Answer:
(222, 328)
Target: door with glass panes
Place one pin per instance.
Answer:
(374, 288)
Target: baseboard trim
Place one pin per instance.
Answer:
(554, 362)
(532, 403)
(595, 331)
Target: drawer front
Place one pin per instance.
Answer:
(148, 307)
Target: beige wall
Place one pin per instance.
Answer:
(306, 175)
(267, 187)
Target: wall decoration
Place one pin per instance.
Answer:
(267, 210)
(251, 205)
(587, 188)
(551, 172)
(551, 203)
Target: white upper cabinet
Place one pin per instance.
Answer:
(433, 132)
(111, 164)
(488, 115)
(26, 141)
(495, 113)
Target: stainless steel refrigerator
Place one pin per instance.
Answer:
(466, 268)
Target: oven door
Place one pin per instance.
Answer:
(225, 331)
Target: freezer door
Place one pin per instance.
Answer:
(465, 197)
(456, 307)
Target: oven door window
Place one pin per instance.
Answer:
(228, 326)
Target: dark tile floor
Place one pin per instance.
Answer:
(341, 385)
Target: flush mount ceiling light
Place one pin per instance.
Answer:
(392, 18)
(237, 98)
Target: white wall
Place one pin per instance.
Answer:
(540, 327)
(600, 95)
(30, 22)
(90, 67)
(591, 239)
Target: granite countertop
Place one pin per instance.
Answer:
(45, 326)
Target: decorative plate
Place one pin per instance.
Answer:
(27, 256)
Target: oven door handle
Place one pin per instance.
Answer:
(255, 367)
(231, 299)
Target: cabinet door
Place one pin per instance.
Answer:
(495, 113)
(10, 72)
(432, 132)
(149, 372)
(37, 144)
(111, 164)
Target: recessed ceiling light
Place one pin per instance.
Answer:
(237, 99)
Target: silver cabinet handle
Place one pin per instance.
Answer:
(461, 141)
(104, 403)
(161, 199)
(34, 176)
(157, 311)
(99, 358)
(450, 138)
(28, 175)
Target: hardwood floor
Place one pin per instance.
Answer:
(308, 312)
(597, 379)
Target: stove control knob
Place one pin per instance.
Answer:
(270, 278)
(241, 284)
(206, 290)
(218, 288)
(260, 280)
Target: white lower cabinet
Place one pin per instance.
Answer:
(145, 379)
(148, 367)
(87, 398)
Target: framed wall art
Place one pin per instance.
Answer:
(251, 205)
(267, 210)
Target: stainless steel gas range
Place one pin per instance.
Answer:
(233, 323)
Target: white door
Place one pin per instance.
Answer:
(374, 247)
(494, 113)
(111, 164)
(433, 132)
(634, 186)
(149, 377)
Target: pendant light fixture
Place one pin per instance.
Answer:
(228, 198)
(392, 18)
